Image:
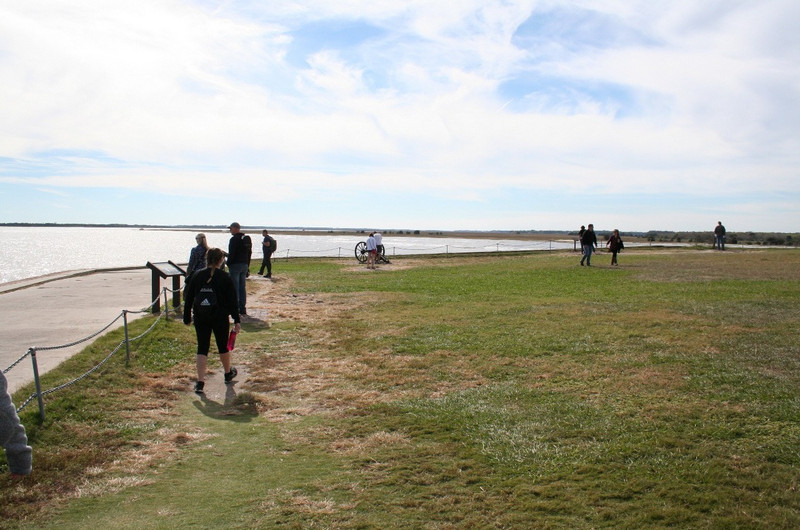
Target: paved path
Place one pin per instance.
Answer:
(62, 308)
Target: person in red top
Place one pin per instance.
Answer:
(614, 244)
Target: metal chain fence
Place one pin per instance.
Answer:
(39, 394)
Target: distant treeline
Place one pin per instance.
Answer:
(701, 238)
(731, 238)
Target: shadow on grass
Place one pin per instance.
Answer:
(233, 409)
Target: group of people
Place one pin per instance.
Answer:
(589, 243)
(213, 296)
(588, 240)
(374, 249)
(225, 297)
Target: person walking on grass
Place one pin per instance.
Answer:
(615, 244)
(210, 300)
(268, 246)
(588, 244)
(12, 435)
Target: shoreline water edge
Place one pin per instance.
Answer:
(40, 251)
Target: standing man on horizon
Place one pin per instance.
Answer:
(268, 246)
(240, 249)
(719, 236)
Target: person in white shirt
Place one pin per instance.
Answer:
(378, 243)
(372, 251)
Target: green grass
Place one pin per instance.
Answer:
(502, 391)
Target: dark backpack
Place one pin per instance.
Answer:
(206, 302)
(247, 245)
(273, 245)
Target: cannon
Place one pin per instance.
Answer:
(361, 253)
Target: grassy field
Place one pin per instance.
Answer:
(466, 392)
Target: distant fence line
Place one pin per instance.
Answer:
(394, 250)
(32, 351)
(545, 245)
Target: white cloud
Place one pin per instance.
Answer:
(172, 96)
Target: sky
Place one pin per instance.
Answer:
(407, 114)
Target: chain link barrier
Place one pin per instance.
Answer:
(17, 362)
(32, 353)
(504, 246)
(79, 341)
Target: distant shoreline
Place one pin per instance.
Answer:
(477, 234)
(791, 239)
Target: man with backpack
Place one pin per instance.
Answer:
(240, 248)
(719, 236)
(268, 246)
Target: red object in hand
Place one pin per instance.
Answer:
(231, 340)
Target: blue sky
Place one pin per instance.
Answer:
(480, 115)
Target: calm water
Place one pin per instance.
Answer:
(33, 251)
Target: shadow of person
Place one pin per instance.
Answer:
(255, 319)
(227, 410)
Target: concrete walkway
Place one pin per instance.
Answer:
(62, 308)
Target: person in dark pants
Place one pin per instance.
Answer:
(268, 246)
(240, 249)
(615, 244)
(588, 243)
(211, 299)
(719, 236)
(378, 244)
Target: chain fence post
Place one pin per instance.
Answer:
(36, 380)
(166, 304)
(127, 341)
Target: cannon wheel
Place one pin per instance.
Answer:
(361, 251)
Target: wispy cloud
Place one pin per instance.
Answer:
(331, 102)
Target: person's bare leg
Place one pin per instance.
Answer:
(202, 365)
(225, 358)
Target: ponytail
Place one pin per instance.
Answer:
(214, 257)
